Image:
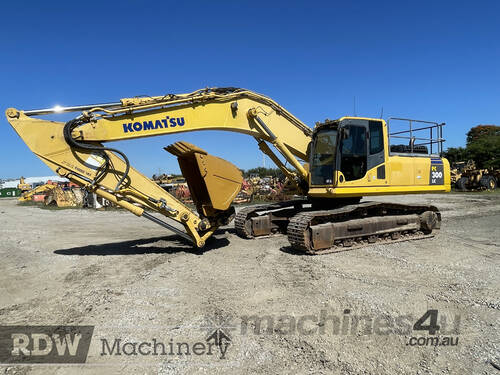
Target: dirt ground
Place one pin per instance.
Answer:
(281, 312)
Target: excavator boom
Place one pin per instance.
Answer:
(77, 150)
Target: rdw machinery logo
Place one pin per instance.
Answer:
(45, 344)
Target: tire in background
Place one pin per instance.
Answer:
(461, 184)
(488, 182)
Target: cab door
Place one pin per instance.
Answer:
(376, 152)
(353, 152)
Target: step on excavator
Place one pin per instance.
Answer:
(331, 166)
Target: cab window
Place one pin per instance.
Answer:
(323, 157)
(353, 163)
(376, 137)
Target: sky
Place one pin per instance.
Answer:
(430, 60)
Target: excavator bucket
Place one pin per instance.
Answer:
(213, 182)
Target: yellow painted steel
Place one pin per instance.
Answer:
(23, 186)
(145, 117)
(28, 195)
(213, 182)
(45, 139)
(210, 111)
(234, 110)
(403, 175)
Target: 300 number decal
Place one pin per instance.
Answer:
(436, 174)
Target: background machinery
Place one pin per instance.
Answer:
(40, 189)
(23, 186)
(345, 159)
(55, 193)
(466, 177)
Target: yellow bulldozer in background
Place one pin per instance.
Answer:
(333, 166)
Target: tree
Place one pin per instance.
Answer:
(485, 151)
(482, 131)
(456, 154)
(483, 146)
(264, 172)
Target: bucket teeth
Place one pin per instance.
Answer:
(180, 149)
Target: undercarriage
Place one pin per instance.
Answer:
(342, 228)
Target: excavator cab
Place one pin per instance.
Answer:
(354, 157)
(344, 150)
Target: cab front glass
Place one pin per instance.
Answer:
(323, 157)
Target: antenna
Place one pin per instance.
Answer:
(354, 105)
(382, 112)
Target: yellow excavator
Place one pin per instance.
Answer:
(54, 195)
(332, 166)
(28, 195)
(23, 185)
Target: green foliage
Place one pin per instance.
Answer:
(485, 151)
(456, 154)
(481, 131)
(483, 146)
(263, 172)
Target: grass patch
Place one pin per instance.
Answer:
(42, 206)
(28, 203)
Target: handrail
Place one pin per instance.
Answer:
(429, 141)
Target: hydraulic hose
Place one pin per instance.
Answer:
(68, 128)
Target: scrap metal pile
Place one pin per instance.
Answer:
(254, 188)
(269, 188)
(55, 193)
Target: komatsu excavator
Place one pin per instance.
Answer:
(332, 166)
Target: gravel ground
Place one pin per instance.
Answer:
(344, 313)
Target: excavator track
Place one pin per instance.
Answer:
(259, 220)
(354, 226)
(241, 220)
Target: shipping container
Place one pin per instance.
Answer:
(9, 192)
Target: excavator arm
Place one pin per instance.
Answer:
(78, 151)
